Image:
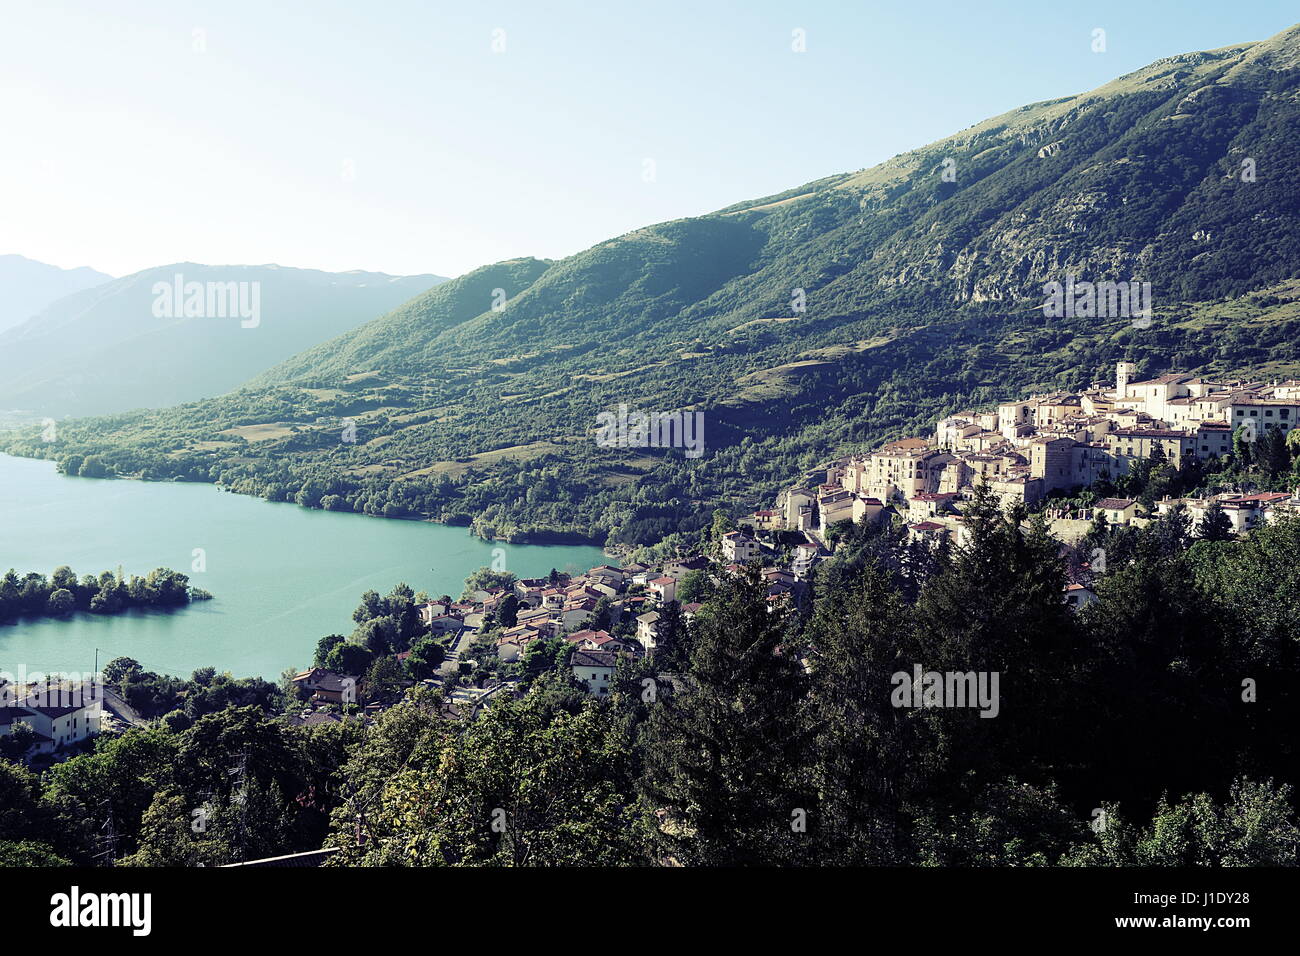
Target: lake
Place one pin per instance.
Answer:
(281, 576)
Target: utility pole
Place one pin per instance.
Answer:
(108, 842)
(239, 797)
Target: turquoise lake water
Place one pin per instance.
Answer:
(281, 576)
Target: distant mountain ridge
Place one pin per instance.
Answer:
(805, 324)
(126, 344)
(27, 286)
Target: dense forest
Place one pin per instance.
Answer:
(1153, 727)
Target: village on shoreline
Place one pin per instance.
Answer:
(1026, 453)
(1029, 455)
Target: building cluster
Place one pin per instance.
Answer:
(1022, 451)
(556, 607)
(637, 594)
(59, 714)
(585, 609)
(324, 692)
(1025, 450)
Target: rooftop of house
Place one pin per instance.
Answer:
(519, 639)
(903, 443)
(1149, 433)
(1115, 504)
(906, 451)
(1172, 378)
(316, 718)
(522, 629)
(318, 678)
(583, 658)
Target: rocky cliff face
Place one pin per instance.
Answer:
(1183, 173)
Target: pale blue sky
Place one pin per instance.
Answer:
(388, 135)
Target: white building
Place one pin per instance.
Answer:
(664, 589)
(1078, 596)
(805, 556)
(61, 714)
(740, 548)
(595, 669)
(647, 630)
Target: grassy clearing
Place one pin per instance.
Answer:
(513, 453)
(255, 433)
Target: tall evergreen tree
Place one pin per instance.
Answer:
(866, 749)
(1157, 698)
(1274, 454)
(672, 641)
(1215, 525)
(999, 608)
(726, 755)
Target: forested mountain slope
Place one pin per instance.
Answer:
(803, 325)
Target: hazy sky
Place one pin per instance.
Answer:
(390, 135)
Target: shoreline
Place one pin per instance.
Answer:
(542, 538)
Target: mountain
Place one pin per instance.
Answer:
(803, 325)
(147, 340)
(27, 286)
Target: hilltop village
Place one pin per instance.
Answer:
(1028, 454)
(1025, 451)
